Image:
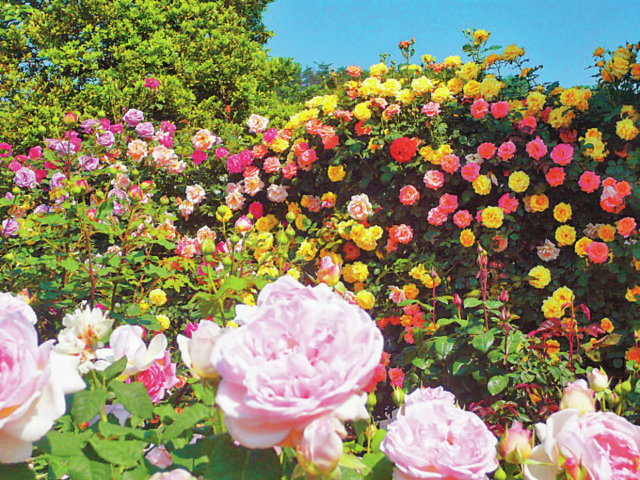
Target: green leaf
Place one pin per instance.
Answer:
(497, 384)
(471, 302)
(134, 398)
(483, 342)
(127, 453)
(377, 440)
(114, 370)
(80, 467)
(70, 265)
(16, 471)
(87, 404)
(187, 419)
(350, 461)
(419, 362)
(229, 462)
(381, 467)
(444, 346)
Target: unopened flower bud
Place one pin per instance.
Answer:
(208, 247)
(504, 297)
(598, 380)
(290, 232)
(291, 217)
(70, 118)
(398, 396)
(372, 400)
(282, 238)
(243, 224)
(329, 272)
(321, 446)
(626, 386)
(578, 395)
(457, 301)
(515, 445)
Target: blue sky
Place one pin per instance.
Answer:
(561, 34)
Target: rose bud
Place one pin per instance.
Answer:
(69, 118)
(328, 272)
(457, 301)
(515, 445)
(574, 470)
(578, 395)
(321, 446)
(243, 224)
(598, 380)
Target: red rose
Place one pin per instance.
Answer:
(403, 149)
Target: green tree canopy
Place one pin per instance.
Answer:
(93, 56)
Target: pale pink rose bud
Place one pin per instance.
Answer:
(598, 380)
(328, 272)
(321, 446)
(243, 224)
(515, 445)
(579, 396)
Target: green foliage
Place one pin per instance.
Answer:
(93, 57)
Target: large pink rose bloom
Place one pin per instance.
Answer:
(302, 353)
(436, 440)
(606, 445)
(33, 383)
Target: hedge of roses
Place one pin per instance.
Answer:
(260, 307)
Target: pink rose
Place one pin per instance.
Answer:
(159, 457)
(462, 219)
(515, 445)
(500, 109)
(16, 308)
(303, 353)
(434, 179)
(159, 377)
(605, 445)
(437, 216)
(25, 178)
(234, 164)
(438, 440)
(506, 151)
(329, 272)
(133, 117)
(271, 164)
(562, 154)
(33, 383)
(470, 171)
(536, 148)
(257, 123)
(479, 109)
(431, 109)
(359, 207)
(438, 395)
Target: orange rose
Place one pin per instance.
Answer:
(626, 226)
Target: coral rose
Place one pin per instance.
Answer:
(303, 353)
(536, 148)
(555, 176)
(626, 226)
(487, 150)
(409, 195)
(598, 252)
(506, 151)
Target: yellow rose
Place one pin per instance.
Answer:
(562, 212)
(405, 96)
(361, 111)
(157, 297)
(563, 295)
(455, 85)
(472, 88)
(279, 145)
(422, 85)
(417, 272)
(410, 291)
(535, 101)
(570, 97)
(452, 61)
(441, 95)
(607, 233)
(490, 87)
(378, 69)
(360, 271)
(482, 185)
(539, 203)
(336, 173)
(372, 86)
(294, 273)
(626, 129)
(561, 117)
(469, 71)
(519, 181)
(565, 235)
(512, 52)
(542, 277)
(365, 300)
(467, 238)
(581, 246)
(164, 322)
(307, 251)
(480, 36)
(492, 217)
(391, 87)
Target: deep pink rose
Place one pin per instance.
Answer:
(434, 439)
(159, 377)
(302, 353)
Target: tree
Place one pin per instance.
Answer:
(94, 56)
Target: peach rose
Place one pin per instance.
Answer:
(359, 207)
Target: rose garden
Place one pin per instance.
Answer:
(423, 269)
